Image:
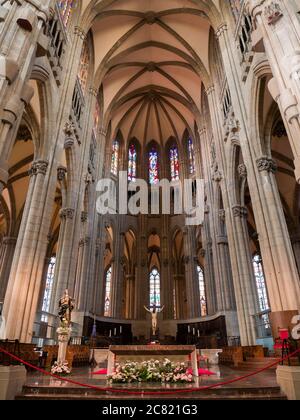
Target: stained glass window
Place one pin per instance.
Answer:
(65, 10)
(132, 161)
(155, 288)
(202, 291)
(96, 118)
(260, 283)
(174, 162)
(49, 285)
(153, 167)
(115, 157)
(84, 66)
(191, 156)
(107, 292)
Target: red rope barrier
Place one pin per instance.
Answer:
(144, 393)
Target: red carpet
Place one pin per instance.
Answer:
(100, 372)
(203, 372)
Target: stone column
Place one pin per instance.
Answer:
(278, 27)
(142, 281)
(117, 290)
(166, 280)
(180, 291)
(7, 255)
(296, 247)
(81, 286)
(129, 296)
(23, 289)
(279, 262)
(192, 283)
(245, 287)
(64, 256)
(207, 254)
(21, 37)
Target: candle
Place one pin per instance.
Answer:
(189, 329)
(198, 333)
(194, 331)
(115, 332)
(110, 333)
(121, 330)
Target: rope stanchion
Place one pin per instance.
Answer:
(149, 393)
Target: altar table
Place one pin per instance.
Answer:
(123, 354)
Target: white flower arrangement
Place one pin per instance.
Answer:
(61, 368)
(152, 371)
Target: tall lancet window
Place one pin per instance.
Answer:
(84, 66)
(49, 285)
(174, 162)
(96, 118)
(260, 283)
(154, 288)
(153, 167)
(202, 291)
(107, 302)
(115, 158)
(191, 156)
(132, 161)
(65, 9)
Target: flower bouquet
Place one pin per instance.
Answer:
(61, 369)
(152, 371)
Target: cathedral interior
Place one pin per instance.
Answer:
(162, 90)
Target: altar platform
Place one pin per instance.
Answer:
(123, 354)
(260, 387)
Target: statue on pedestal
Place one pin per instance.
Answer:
(66, 306)
(154, 311)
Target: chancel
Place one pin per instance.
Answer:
(160, 103)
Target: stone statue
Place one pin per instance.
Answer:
(66, 306)
(154, 314)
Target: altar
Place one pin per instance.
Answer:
(123, 354)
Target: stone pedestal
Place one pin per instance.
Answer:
(12, 379)
(288, 377)
(64, 335)
(212, 356)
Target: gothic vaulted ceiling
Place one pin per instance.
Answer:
(151, 56)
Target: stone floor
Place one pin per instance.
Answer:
(85, 376)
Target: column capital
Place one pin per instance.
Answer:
(39, 167)
(221, 29)
(9, 240)
(210, 90)
(61, 173)
(273, 12)
(84, 216)
(265, 164)
(222, 215)
(80, 32)
(67, 213)
(242, 170)
(69, 128)
(240, 211)
(202, 131)
(93, 92)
